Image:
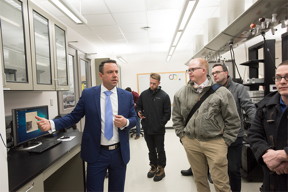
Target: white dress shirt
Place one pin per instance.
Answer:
(200, 87)
(114, 102)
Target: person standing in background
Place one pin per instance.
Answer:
(268, 134)
(154, 109)
(135, 98)
(208, 132)
(109, 114)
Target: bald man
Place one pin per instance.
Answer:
(211, 129)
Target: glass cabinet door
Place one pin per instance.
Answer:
(67, 99)
(42, 49)
(41, 41)
(83, 66)
(61, 59)
(15, 45)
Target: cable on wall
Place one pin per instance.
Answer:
(3, 140)
(233, 59)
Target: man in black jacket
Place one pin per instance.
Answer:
(154, 108)
(268, 134)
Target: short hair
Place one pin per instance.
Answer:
(202, 62)
(101, 66)
(128, 89)
(155, 76)
(283, 63)
(224, 67)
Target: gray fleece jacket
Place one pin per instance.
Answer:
(243, 102)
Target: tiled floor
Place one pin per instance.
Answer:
(136, 179)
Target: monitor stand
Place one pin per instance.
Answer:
(29, 145)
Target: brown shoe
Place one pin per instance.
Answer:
(160, 174)
(137, 137)
(152, 171)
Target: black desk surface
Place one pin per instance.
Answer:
(24, 166)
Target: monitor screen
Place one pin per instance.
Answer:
(25, 127)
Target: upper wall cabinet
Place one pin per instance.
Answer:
(43, 62)
(15, 45)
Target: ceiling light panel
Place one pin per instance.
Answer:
(187, 15)
(70, 11)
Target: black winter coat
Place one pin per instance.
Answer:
(156, 107)
(269, 131)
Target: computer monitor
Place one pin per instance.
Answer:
(25, 128)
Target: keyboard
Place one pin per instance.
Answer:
(44, 146)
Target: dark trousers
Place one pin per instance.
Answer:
(111, 160)
(155, 144)
(138, 128)
(234, 164)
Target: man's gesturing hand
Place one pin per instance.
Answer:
(43, 124)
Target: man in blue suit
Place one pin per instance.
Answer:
(102, 152)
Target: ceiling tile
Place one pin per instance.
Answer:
(100, 20)
(112, 29)
(164, 4)
(130, 17)
(118, 6)
(133, 28)
(93, 7)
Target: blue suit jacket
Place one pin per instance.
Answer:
(89, 106)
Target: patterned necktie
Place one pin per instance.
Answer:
(108, 131)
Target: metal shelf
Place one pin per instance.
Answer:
(238, 30)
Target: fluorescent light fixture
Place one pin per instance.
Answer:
(172, 49)
(121, 59)
(168, 58)
(187, 14)
(177, 38)
(68, 10)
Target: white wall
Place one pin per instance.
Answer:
(19, 99)
(3, 151)
(129, 71)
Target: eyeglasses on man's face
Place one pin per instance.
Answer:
(192, 69)
(278, 78)
(216, 72)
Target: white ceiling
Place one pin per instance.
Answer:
(115, 27)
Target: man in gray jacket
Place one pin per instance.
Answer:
(211, 129)
(243, 102)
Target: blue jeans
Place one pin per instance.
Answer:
(138, 127)
(234, 164)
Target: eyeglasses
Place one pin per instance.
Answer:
(216, 72)
(192, 69)
(278, 78)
